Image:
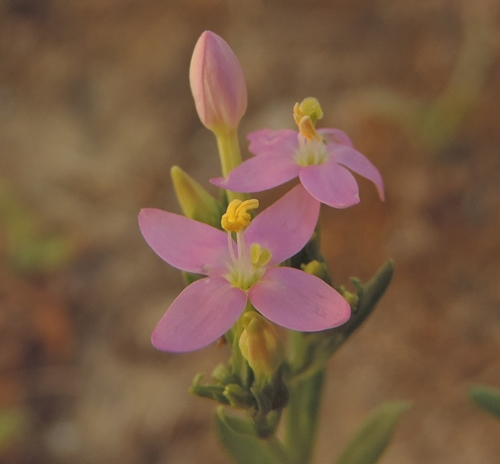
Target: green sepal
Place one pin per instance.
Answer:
(487, 398)
(238, 397)
(212, 392)
(189, 277)
(373, 437)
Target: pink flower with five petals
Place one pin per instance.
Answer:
(240, 272)
(322, 164)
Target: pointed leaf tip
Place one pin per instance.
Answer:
(373, 437)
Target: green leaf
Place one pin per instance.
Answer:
(242, 447)
(369, 295)
(373, 437)
(10, 427)
(487, 398)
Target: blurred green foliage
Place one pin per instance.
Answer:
(26, 247)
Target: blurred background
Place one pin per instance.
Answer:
(95, 108)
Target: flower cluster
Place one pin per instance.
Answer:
(240, 262)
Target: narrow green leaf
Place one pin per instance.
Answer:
(373, 437)
(369, 295)
(242, 447)
(487, 398)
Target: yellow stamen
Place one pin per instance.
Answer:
(259, 256)
(306, 114)
(306, 128)
(237, 216)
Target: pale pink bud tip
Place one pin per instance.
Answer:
(217, 83)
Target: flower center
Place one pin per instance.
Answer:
(312, 148)
(248, 263)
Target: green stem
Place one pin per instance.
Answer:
(303, 411)
(303, 407)
(230, 156)
(278, 451)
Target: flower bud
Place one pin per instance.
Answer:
(317, 268)
(217, 83)
(196, 203)
(260, 344)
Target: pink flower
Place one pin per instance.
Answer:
(240, 272)
(217, 83)
(318, 158)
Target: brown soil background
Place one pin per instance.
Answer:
(95, 107)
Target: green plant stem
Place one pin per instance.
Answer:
(278, 451)
(303, 407)
(230, 156)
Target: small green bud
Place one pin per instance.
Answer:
(351, 298)
(196, 203)
(317, 269)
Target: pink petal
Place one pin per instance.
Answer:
(184, 243)
(331, 184)
(204, 311)
(259, 173)
(298, 301)
(335, 136)
(286, 226)
(268, 141)
(360, 164)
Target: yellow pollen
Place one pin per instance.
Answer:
(237, 216)
(306, 114)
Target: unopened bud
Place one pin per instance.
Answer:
(318, 269)
(196, 203)
(217, 83)
(260, 345)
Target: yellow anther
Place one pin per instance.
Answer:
(259, 256)
(254, 253)
(306, 114)
(306, 128)
(237, 216)
(308, 107)
(297, 113)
